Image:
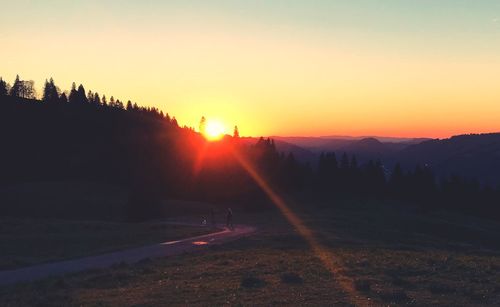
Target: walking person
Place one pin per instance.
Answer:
(229, 219)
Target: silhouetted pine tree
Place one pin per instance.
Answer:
(73, 94)
(397, 182)
(81, 96)
(4, 89)
(63, 99)
(328, 173)
(16, 88)
(321, 165)
(344, 162)
(344, 175)
(321, 175)
(203, 125)
(352, 177)
(50, 92)
(292, 175)
(374, 179)
(354, 163)
(330, 176)
(97, 99)
(90, 97)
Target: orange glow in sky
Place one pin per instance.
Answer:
(293, 68)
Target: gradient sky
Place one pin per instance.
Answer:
(358, 67)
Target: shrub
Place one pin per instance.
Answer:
(291, 278)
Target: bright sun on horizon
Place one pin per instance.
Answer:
(214, 130)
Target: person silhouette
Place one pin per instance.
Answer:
(229, 219)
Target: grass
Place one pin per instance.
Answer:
(26, 242)
(236, 273)
(390, 256)
(363, 285)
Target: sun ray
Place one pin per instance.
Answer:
(329, 260)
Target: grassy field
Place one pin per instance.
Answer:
(388, 256)
(25, 242)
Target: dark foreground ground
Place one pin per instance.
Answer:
(28, 241)
(388, 256)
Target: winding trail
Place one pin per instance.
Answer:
(127, 256)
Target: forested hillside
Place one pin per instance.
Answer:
(84, 138)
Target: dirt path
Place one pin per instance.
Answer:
(128, 256)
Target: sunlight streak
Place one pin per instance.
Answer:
(198, 163)
(329, 260)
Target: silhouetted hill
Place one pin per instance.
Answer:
(474, 156)
(315, 144)
(367, 147)
(383, 139)
(351, 144)
(83, 142)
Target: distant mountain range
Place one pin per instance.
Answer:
(474, 156)
(335, 143)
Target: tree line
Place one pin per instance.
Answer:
(336, 179)
(419, 186)
(82, 136)
(52, 94)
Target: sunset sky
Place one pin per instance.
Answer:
(303, 68)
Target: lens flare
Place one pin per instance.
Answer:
(329, 260)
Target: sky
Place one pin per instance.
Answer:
(401, 68)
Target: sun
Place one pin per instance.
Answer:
(214, 130)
